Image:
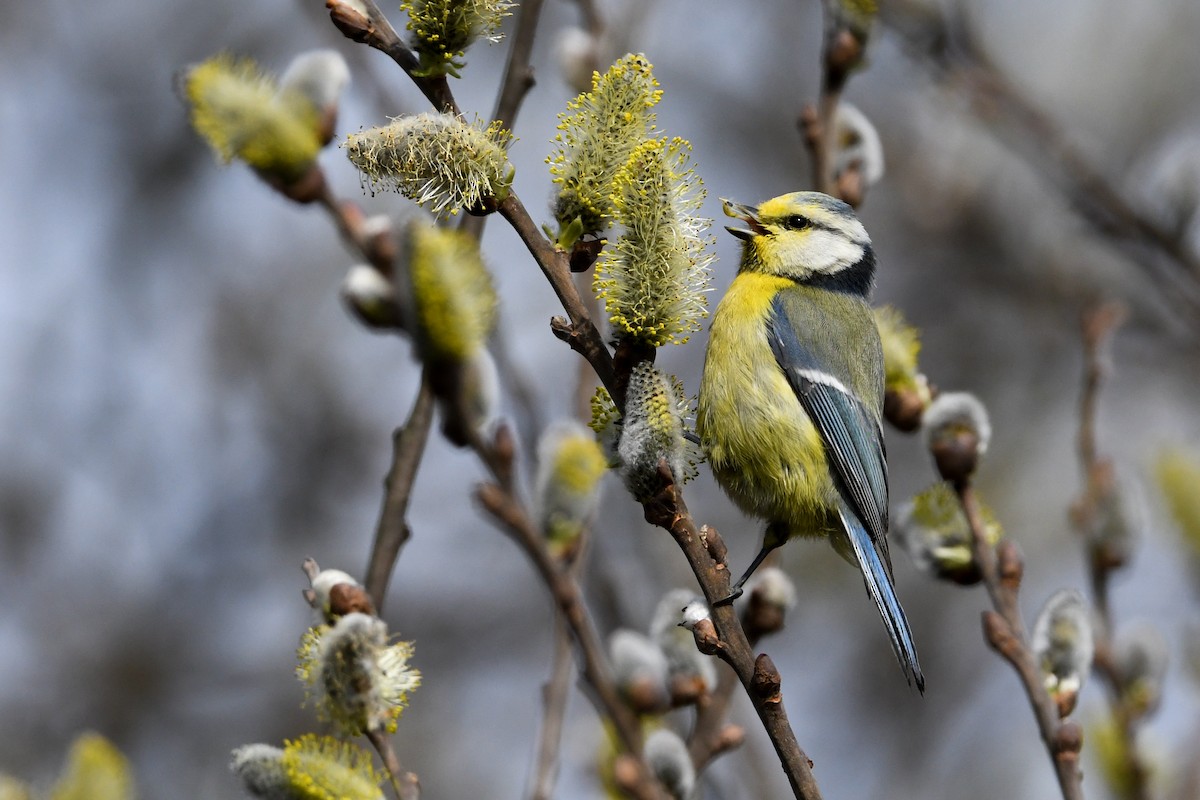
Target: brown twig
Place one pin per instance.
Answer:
(392, 532)
(957, 58)
(557, 689)
(705, 553)
(1099, 489)
(841, 54)
(500, 501)
(1004, 629)
(579, 332)
(404, 783)
(554, 706)
(518, 74)
(514, 86)
(374, 30)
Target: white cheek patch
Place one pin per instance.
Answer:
(818, 250)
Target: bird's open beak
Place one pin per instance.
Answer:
(747, 214)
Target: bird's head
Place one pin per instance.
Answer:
(806, 236)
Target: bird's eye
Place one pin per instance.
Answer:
(797, 222)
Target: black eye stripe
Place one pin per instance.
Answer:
(797, 222)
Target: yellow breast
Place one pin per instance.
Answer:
(762, 447)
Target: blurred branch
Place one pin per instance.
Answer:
(514, 86)
(841, 54)
(518, 74)
(1004, 630)
(556, 689)
(392, 532)
(705, 553)
(554, 706)
(711, 734)
(953, 53)
(1099, 324)
(500, 500)
(404, 783)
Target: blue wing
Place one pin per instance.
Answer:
(851, 434)
(854, 449)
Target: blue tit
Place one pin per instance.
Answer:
(792, 393)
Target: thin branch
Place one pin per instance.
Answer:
(580, 333)
(711, 735)
(504, 506)
(405, 784)
(518, 74)
(705, 553)
(554, 706)
(376, 31)
(514, 86)
(841, 53)
(392, 532)
(1004, 630)
(556, 690)
(1099, 489)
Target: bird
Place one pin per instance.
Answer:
(791, 394)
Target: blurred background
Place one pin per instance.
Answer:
(187, 412)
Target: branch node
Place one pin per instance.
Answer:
(999, 634)
(715, 545)
(1069, 741)
(767, 680)
(1010, 567)
(707, 640)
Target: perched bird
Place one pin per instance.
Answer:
(792, 392)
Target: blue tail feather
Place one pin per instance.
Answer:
(879, 583)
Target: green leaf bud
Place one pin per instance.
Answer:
(640, 670)
(1140, 656)
(606, 424)
(957, 432)
(95, 770)
(1063, 645)
(668, 758)
(906, 391)
(684, 661)
(1179, 478)
(570, 466)
(453, 302)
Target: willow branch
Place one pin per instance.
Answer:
(578, 331)
(1004, 629)
(554, 707)
(705, 553)
(568, 597)
(1099, 489)
(392, 531)
(518, 74)
(404, 783)
(514, 86)
(374, 30)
